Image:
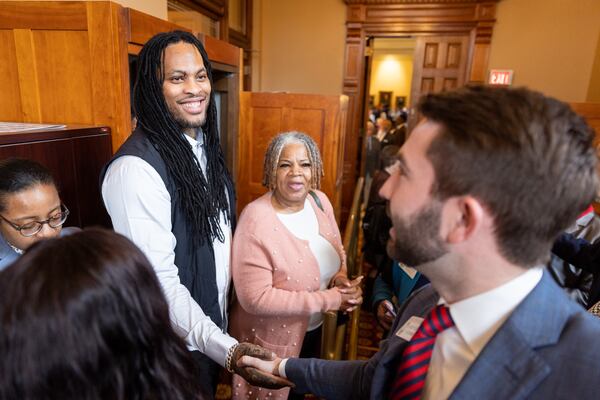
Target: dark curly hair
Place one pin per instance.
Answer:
(84, 317)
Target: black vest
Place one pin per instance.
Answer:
(196, 264)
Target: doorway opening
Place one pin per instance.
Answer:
(389, 75)
(388, 96)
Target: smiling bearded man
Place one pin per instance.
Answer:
(168, 190)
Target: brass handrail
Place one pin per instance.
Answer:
(332, 342)
(351, 239)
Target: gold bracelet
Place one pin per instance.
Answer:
(229, 357)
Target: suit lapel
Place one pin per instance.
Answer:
(509, 366)
(419, 304)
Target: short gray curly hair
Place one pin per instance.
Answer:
(274, 152)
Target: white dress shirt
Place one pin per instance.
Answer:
(140, 208)
(476, 320)
(304, 225)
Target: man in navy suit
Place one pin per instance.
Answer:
(487, 181)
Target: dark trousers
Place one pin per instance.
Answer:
(311, 348)
(207, 373)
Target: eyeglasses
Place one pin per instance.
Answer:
(31, 228)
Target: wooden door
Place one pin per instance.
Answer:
(61, 62)
(440, 64)
(264, 115)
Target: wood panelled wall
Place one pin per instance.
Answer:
(75, 156)
(67, 62)
(470, 20)
(62, 64)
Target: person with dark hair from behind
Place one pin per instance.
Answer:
(167, 189)
(487, 181)
(84, 317)
(30, 208)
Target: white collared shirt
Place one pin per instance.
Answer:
(476, 320)
(139, 205)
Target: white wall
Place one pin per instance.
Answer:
(391, 72)
(550, 44)
(298, 46)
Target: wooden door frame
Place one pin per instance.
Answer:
(393, 18)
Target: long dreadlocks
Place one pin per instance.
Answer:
(202, 198)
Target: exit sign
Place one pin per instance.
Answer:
(501, 77)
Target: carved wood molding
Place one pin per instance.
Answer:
(378, 2)
(214, 9)
(379, 15)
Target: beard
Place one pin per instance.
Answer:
(418, 238)
(184, 121)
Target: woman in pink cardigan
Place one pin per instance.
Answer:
(288, 263)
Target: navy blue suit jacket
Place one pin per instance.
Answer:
(548, 348)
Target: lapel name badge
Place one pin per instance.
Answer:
(410, 327)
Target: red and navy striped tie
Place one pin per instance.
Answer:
(412, 372)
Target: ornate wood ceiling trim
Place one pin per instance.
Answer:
(397, 18)
(214, 9)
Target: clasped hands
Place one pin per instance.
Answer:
(248, 358)
(351, 292)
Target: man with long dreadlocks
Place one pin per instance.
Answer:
(168, 190)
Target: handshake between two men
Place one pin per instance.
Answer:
(260, 366)
(252, 362)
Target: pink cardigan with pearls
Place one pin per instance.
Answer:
(276, 280)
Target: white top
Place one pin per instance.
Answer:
(304, 225)
(476, 320)
(140, 208)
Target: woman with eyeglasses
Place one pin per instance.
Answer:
(30, 208)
